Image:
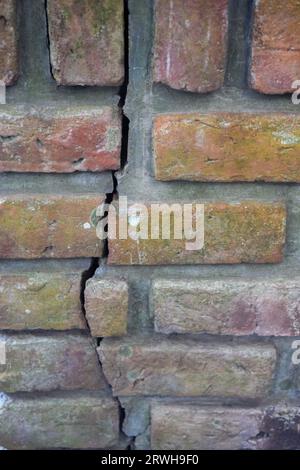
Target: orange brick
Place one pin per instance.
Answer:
(227, 147)
(47, 226)
(248, 232)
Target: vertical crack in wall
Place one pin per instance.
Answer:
(121, 408)
(86, 275)
(48, 37)
(123, 91)
(110, 197)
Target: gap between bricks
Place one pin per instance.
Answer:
(110, 197)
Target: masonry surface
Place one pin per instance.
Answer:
(143, 344)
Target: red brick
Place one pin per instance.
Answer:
(162, 367)
(48, 226)
(246, 232)
(190, 427)
(190, 44)
(87, 41)
(275, 46)
(45, 363)
(44, 301)
(60, 140)
(227, 307)
(8, 42)
(227, 147)
(83, 422)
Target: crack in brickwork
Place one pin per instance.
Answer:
(89, 274)
(174, 355)
(110, 197)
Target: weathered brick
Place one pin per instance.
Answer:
(228, 307)
(186, 368)
(62, 140)
(246, 232)
(48, 301)
(8, 42)
(275, 46)
(87, 41)
(48, 226)
(84, 422)
(106, 306)
(227, 147)
(188, 427)
(190, 44)
(44, 363)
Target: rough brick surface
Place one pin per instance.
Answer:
(106, 306)
(46, 301)
(44, 363)
(84, 422)
(142, 345)
(60, 140)
(190, 44)
(87, 41)
(248, 232)
(8, 42)
(230, 307)
(188, 427)
(275, 46)
(227, 147)
(186, 368)
(48, 226)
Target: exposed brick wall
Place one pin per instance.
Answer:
(143, 342)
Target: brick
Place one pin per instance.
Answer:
(87, 42)
(188, 427)
(227, 147)
(203, 428)
(8, 42)
(275, 46)
(48, 226)
(186, 368)
(84, 422)
(231, 307)
(190, 44)
(245, 232)
(45, 301)
(106, 307)
(61, 140)
(46, 363)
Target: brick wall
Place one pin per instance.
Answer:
(143, 343)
